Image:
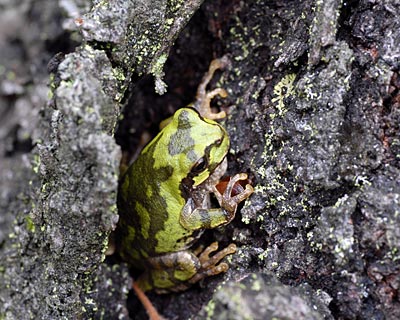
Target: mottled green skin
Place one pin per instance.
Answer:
(156, 189)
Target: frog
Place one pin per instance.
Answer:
(164, 197)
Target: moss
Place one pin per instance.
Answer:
(29, 224)
(209, 309)
(282, 90)
(158, 73)
(36, 163)
(263, 255)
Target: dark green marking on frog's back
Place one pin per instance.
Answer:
(181, 141)
(142, 174)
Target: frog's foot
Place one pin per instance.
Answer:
(203, 98)
(229, 202)
(209, 265)
(204, 106)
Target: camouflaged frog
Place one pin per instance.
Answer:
(164, 197)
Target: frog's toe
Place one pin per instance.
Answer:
(233, 193)
(206, 260)
(212, 271)
(210, 266)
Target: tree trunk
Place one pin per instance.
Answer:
(313, 117)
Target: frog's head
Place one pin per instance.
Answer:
(195, 146)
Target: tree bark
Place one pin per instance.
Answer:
(313, 118)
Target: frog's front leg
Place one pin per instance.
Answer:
(203, 218)
(177, 271)
(229, 202)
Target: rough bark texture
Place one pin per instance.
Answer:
(59, 212)
(314, 115)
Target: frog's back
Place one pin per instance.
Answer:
(149, 215)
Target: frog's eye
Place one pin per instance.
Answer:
(200, 166)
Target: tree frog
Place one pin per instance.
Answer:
(164, 197)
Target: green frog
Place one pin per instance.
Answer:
(164, 197)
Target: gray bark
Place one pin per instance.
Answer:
(313, 118)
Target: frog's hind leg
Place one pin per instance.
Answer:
(203, 98)
(177, 271)
(169, 272)
(210, 266)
